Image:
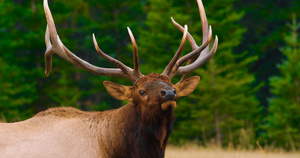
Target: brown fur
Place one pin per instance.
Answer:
(139, 129)
(64, 112)
(152, 77)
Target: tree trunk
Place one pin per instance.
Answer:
(217, 115)
(203, 135)
(295, 48)
(290, 139)
(230, 136)
(297, 90)
(33, 8)
(218, 129)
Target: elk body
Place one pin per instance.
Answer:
(139, 129)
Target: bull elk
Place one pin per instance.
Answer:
(139, 129)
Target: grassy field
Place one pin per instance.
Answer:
(197, 152)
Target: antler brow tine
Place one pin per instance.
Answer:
(109, 58)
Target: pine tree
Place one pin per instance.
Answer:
(284, 111)
(265, 23)
(15, 95)
(22, 51)
(159, 39)
(17, 83)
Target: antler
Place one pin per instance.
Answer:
(59, 48)
(198, 56)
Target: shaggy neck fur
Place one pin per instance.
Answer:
(124, 132)
(128, 135)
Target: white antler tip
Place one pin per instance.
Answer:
(130, 33)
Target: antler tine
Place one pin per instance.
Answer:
(59, 48)
(94, 69)
(195, 52)
(204, 24)
(178, 53)
(110, 59)
(48, 54)
(51, 49)
(204, 36)
(200, 61)
(189, 36)
(191, 41)
(199, 55)
(190, 55)
(205, 30)
(135, 53)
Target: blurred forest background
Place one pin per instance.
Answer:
(248, 93)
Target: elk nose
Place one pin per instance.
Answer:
(168, 94)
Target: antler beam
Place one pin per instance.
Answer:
(59, 48)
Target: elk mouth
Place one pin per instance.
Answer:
(168, 104)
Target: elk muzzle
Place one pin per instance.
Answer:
(168, 94)
(169, 97)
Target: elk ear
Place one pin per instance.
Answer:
(118, 91)
(187, 86)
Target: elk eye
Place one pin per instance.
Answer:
(142, 92)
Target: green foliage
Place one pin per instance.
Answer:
(67, 93)
(18, 90)
(283, 121)
(22, 47)
(265, 21)
(15, 96)
(159, 40)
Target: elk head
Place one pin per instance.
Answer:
(154, 93)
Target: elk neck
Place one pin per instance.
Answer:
(138, 136)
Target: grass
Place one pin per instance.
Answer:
(198, 152)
